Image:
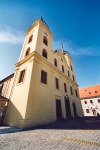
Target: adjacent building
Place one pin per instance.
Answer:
(43, 88)
(90, 100)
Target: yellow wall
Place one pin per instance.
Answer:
(33, 102)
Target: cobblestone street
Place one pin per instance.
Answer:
(56, 136)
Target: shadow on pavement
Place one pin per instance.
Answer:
(86, 123)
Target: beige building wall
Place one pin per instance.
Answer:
(32, 102)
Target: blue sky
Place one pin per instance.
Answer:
(75, 23)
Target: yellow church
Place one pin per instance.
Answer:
(43, 88)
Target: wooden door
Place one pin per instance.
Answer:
(58, 109)
(67, 107)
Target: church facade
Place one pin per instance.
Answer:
(43, 88)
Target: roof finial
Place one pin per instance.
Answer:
(62, 47)
(44, 22)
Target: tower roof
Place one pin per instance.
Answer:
(39, 21)
(44, 22)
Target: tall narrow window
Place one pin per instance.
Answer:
(71, 90)
(30, 38)
(73, 77)
(62, 68)
(45, 41)
(65, 88)
(71, 67)
(27, 52)
(68, 74)
(43, 77)
(21, 77)
(76, 93)
(85, 102)
(44, 53)
(55, 62)
(57, 83)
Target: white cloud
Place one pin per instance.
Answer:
(10, 37)
(76, 50)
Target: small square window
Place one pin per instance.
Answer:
(96, 92)
(87, 110)
(98, 100)
(89, 92)
(85, 102)
(91, 101)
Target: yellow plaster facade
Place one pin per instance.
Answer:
(33, 102)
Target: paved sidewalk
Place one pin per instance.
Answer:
(56, 136)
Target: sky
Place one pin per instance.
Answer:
(75, 23)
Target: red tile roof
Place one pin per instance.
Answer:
(91, 91)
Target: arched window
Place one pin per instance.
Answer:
(30, 38)
(44, 53)
(27, 52)
(62, 68)
(55, 62)
(45, 41)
